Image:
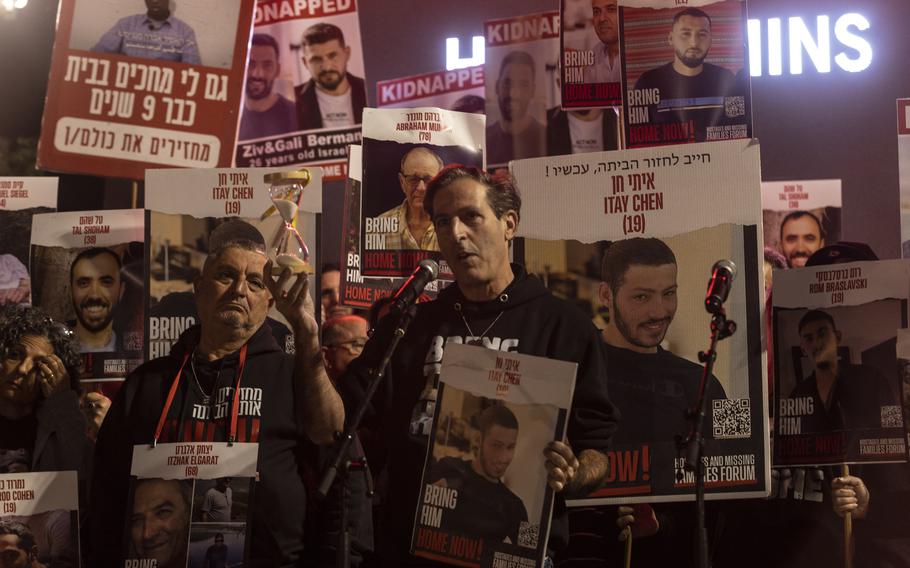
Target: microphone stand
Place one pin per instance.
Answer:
(339, 462)
(721, 328)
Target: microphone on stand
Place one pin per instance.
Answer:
(413, 287)
(722, 275)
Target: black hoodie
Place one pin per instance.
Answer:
(267, 416)
(531, 321)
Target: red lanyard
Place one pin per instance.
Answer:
(235, 402)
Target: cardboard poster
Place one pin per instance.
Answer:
(684, 72)
(800, 217)
(591, 59)
(521, 69)
(903, 368)
(460, 89)
(135, 85)
(20, 198)
(903, 165)
(403, 149)
(181, 223)
(649, 204)
(484, 495)
(305, 91)
(837, 392)
(207, 488)
(88, 270)
(41, 509)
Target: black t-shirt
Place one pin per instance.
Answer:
(485, 508)
(17, 443)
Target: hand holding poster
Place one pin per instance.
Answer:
(653, 242)
(484, 498)
(836, 393)
(702, 93)
(134, 84)
(20, 199)
(97, 259)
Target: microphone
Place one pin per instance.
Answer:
(425, 273)
(722, 275)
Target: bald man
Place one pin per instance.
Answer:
(343, 338)
(413, 229)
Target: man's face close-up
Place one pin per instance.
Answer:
(644, 305)
(691, 40)
(330, 286)
(327, 63)
(514, 90)
(160, 522)
(819, 343)
(157, 9)
(261, 71)
(348, 346)
(231, 291)
(799, 238)
(497, 449)
(605, 19)
(472, 240)
(96, 289)
(416, 172)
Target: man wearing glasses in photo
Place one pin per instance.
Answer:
(414, 228)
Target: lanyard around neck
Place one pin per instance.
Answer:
(235, 399)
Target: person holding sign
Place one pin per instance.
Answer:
(227, 380)
(495, 304)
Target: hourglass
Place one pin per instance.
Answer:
(288, 248)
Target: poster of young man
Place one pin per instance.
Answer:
(591, 61)
(695, 88)
(39, 525)
(800, 217)
(188, 504)
(484, 496)
(645, 248)
(836, 389)
(185, 225)
(403, 149)
(88, 270)
(305, 91)
(522, 62)
(137, 84)
(460, 89)
(903, 165)
(20, 198)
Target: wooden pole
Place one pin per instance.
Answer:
(848, 528)
(628, 556)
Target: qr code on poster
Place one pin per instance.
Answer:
(732, 418)
(734, 106)
(528, 534)
(891, 417)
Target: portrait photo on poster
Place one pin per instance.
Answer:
(197, 32)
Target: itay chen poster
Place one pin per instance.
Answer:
(632, 237)
(484, 500)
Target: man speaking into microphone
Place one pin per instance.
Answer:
(497, 305)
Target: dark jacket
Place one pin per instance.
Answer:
(61, 443)
(308, 115)
(531, 321)
(287, 460)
